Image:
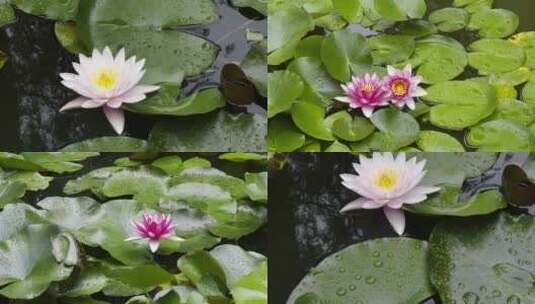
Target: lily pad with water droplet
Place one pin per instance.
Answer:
(484, 259)
(143, 28)
(386, 271)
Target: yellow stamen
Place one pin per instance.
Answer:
(105, 78)
(399, 87)
(386, 179)
(368, 88)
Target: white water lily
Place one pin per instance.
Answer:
(107, 82)
(387, 182)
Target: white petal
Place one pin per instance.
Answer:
(343, 99)
(368, 112)
(94, 103)
(419, 92)
(391, 70)
(116, 118)
(134, 238)
(356, 204)
(154, 245)
(396, 217)
(408, 68)
(74, 104)
(411, 104)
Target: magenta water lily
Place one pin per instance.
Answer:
(106, 82)
(387, 182)
(368, 91)
(154, 228)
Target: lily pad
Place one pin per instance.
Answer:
(491, 56)
(218, 131)
(284, 88)
(449, 19)
(439, 58)
(494, 23)
(144, 29)
(311, 120)
(461, 104)
(447, 203)
(386, 271)
(399, 10)
(527, 41)
(486, 259)
(108, 144)
(286, 25)
(433, 141)
(53, 9)
(284, 136)
(500, 135)
(396, 130)
(350, 128)
(514, 110)
(391, 49)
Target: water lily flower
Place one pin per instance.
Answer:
(366, 92)
(107, 82)
(402, 87)
(154, 228)
(387, 182)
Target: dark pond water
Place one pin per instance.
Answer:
(305, 223)
(31, 93)
(254, 242)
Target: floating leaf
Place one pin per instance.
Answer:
(257, 184)
(108, 144)
(399, 10)
(391, 49)
(378, 271)
(396, 130)
(449, 19)
(527, 41)
(433, 141)
(350, 128)
(492, 258)
(219, 132)
(490, 56)
(54, 9)
(500, 135)
(311, 120)
(494, 23)
(143, 29)
(259, 5)
(286, 25)
(439, 58)
(284, 136)
(284, 88)
(68, 37)
(461, 104)
(514, 110)
(255, 66)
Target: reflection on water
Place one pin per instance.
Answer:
(32, 93)
(305, 199)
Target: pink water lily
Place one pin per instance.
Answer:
(402, 87)
(154, 228)
(366, 92)
(107, 82)
(387, 182)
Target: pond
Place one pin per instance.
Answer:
(32, 93)
(255, 241)
(466, 93)
(306, 197)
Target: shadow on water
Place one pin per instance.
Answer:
(305, 223)
(31, 93)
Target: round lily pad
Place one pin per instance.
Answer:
(484, 259)
(491, 56)
(449, 19)
(500, 135)
(386, 271)
(494, 23)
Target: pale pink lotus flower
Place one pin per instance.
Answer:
(366, 92)
(402, 87)
(154, 228)
(107, 82)
(387, 182)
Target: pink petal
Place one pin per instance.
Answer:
(74, 104)
(116, 118)
(396, 217)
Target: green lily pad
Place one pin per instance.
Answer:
(253, 287)
(342, 50)
(391, 49)
(461, 104)
(166, 103)
(144, 28)
(473, 6)
(310, 118)
(386, 271)
(284, 136)
(350, 128)
(256, 184)
(235, 186)
(53, 9)
(447, 202)
(486, 259)
(255, 66)
(284, 88)
(67, 36)
(11, 192)
(399, 10)
(514, 110)
(500, 135)
(396, 130)
(494, 23)
(439, 58)
(352, 11)
(528, 93)
(450, 19)
(513, 78)
(218, 131)
(527, 41)
(433, 141)
(491, 56)
(259, 5)
(313, 73)
(286, 25)
(108, 144)
(7, 15)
